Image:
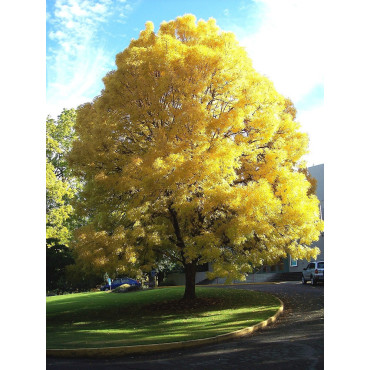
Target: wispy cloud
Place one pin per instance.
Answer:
(289, 45)
(77, 59)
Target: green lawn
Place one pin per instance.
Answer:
(103, 319)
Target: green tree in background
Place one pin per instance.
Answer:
(61, 190)
(61, 187)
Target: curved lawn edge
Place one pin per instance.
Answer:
(149, 348)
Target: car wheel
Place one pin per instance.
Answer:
(106, 289)
(304, 281)
(313, 280)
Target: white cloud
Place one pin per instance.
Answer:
(77, 11)
(288, 47)
(57, 35)
(314, 122)
(76, 80)
(77, 62)
(128, 7)
(77, 59)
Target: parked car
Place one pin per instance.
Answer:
(314, 272)
(118, 282)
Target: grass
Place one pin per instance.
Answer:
(101, 319)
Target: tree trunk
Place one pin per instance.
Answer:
(190, 268)
(190, 271)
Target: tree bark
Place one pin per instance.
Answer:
(190, 271)
(190, 268)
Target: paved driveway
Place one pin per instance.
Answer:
(295, 341)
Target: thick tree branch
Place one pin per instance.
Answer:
(179, 240)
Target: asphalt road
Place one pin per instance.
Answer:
(294, 341)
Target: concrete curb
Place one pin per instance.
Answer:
(149, 348)
(248, 283)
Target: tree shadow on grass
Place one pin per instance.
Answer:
(94, 325)
(157, 328)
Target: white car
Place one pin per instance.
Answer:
(314, 272)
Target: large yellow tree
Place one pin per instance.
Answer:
(190, 154)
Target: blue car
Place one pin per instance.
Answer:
(118, 282)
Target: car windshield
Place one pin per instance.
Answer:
(320, 265)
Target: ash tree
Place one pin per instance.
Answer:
(192, 156)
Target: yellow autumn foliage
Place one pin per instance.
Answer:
(190, 154)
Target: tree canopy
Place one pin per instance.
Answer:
(60, 185)
(191, 155)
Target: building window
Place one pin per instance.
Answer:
(293, 263)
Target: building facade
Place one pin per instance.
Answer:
(318, 173)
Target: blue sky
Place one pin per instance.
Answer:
(283, 38)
